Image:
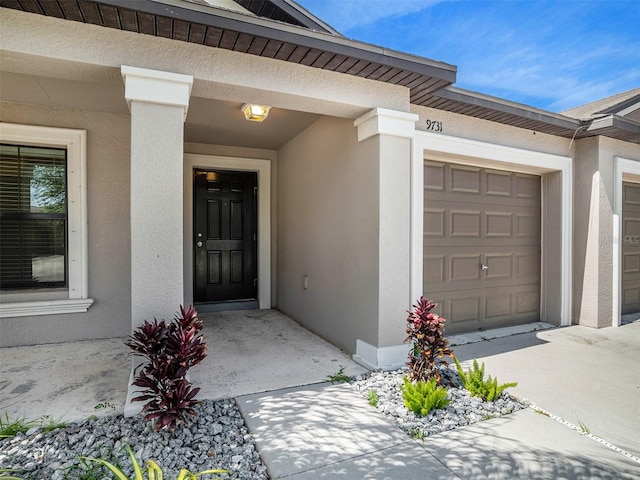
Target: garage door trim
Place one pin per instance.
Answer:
(488, 155)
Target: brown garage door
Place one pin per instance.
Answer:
(630, 248)
(481, 246)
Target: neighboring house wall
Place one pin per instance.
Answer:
(328, 232)
(109, 248)
(596, 252)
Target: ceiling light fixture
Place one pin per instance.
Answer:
(255, 113)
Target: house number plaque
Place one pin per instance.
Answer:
(434, 125)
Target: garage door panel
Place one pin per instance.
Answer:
(527, 187)
(498, 224)
(465, 180)
(464, 223)
(500, 266)
(499, 184)
(630, 270)
(434, 222)
(528, 226)
(482, 245)
(477, 185)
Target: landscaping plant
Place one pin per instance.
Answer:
(152, 469)
(426, 331)
(170, 350)
(473, 380)
(422, 397)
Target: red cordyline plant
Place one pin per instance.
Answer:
(170, 350)
(426, 331)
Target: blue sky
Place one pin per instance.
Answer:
(553, 55)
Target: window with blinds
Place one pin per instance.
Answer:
(33, 217)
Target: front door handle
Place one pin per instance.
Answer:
(484, 267)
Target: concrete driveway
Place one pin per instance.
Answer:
(585, 376)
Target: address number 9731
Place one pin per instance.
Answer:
(434, 125)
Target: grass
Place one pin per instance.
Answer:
(10, 428)
(583, 428)
(373, 398)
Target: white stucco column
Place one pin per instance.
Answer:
(394, 132)
(158, 102)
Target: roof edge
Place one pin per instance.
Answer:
(284, 32)
(305, 16)
(615, 121)
(507, 106)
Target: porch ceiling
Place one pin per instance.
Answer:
(209, 121)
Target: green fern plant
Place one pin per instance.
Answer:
(473, 380)
(373, 398)
(422, 397)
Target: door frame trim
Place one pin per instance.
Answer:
(625, 170)
(483, 154)
(213, 162)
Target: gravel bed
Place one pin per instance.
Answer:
(216, 439)
(463, 409)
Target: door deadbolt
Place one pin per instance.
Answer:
(199, 244)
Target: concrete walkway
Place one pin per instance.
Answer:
(309, 430)
(579, 374)
(248, 352)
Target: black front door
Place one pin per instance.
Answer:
(225, 236)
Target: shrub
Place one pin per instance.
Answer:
(475, 383)
(170, 350)
(422, 397)
(426, 331)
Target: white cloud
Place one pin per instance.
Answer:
(344, 15)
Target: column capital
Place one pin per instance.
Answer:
(155, 86)
(386, 122)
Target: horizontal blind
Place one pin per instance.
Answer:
(33, 217)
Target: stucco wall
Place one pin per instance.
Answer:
(108, 192)
(327, 230)
(492, 132)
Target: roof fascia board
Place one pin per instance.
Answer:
(500, 105)
(614, 121)
(304, 16)
(283, 32)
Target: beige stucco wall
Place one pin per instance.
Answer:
(108, 195)
(492, 132)
(328, 231)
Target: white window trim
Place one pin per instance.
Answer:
(75, 142)
(625, 170)
(263, 169)
(484, 154)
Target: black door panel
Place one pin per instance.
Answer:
(225, 236)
